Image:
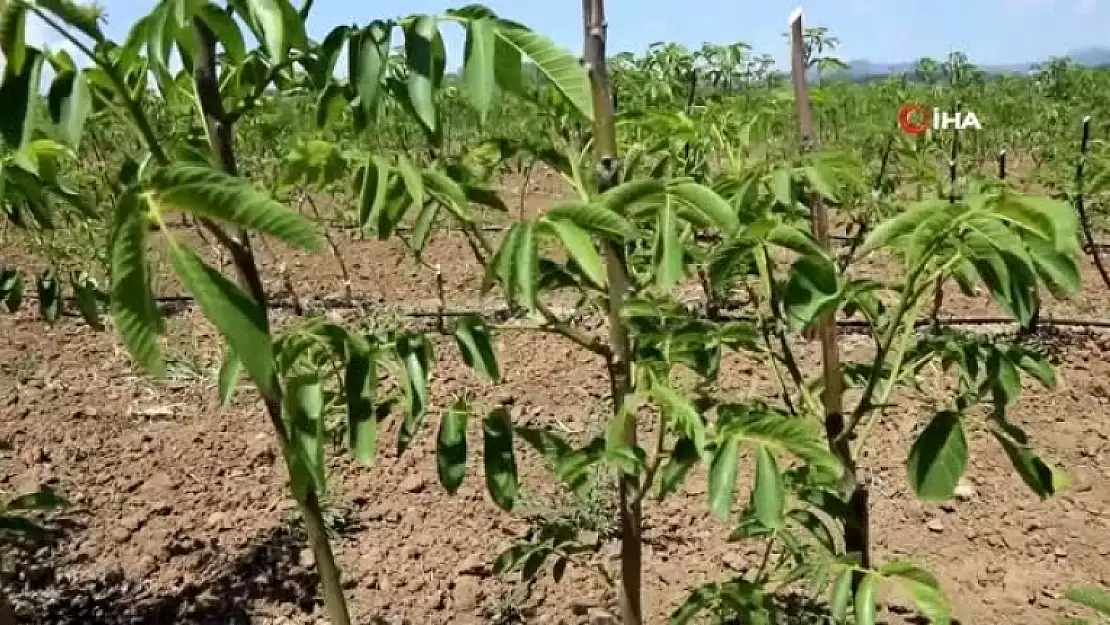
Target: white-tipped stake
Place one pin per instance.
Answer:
(795, 15)
(1086, 119)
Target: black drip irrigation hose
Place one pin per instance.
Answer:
(503, 314)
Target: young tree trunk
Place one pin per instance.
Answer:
(620, 373)
(857, 523)
(220, 129)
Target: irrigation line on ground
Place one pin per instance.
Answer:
(503, 313)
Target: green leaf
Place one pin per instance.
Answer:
(69, 103)
(269, 16)
(43, 499)
(13, 35)
(681, 459)
(228, 379)
(938, 457)
(819, 180)
(708, 203)
(668, 253)
(840, 596)
(498, 458)
(525, 265)
(205, 192)
(722, 478)
(19, 92)
(134, 310)
(375, 185)
(88, 297)
(84, 17)
(414, 182)
(769, 492)
(50, 295)
(923, 587)
(360, 382)
(303, 410)
(239, 318)
(865, 600)
(368, 59)
(812, 291)
(476, 346)
(1091, 596)
(451, 446)
(426, 61)
(479, 65)
(226, 31)
(11, 288)
(581, 249)
(566, 73)
(782, 187)
(1040, 477)
(901, 225)
(594, 218)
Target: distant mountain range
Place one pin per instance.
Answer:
(862, 69)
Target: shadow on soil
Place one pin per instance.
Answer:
(267, 571)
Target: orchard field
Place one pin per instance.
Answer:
(298, 331)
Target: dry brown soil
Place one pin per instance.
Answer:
(180, 513)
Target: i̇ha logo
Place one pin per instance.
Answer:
(915, 119)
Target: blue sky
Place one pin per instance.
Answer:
(988, 31)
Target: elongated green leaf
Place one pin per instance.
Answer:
(234, 313)
(769, 493)
(226, 31)
(938, 457)
(70, 103)
(476, 346)
(269, 17)
(708, 203)
(840, 596)
(304, 414)
(88, 295)
(865, 600)
(43, 499)
(525, 265)
(134, 311)
(13, 35)
(451, 446)
(228, 379)
(722, 478)
(669, 254)
(621, 198)
(19, 91)
(581, 248)
(450, 194)
(812, 291)
(1037, 475)
(595, 218)
(1091, 596)
(85, 17)
(206, 192)
(479, 65)
(426, 61)
(414, 182)
(375, 185)
(681, 459)
(360, 382)
(563, 69)
(368, 53)
(11, 288)
(902, 224)
(498, 458)
(50, 295)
